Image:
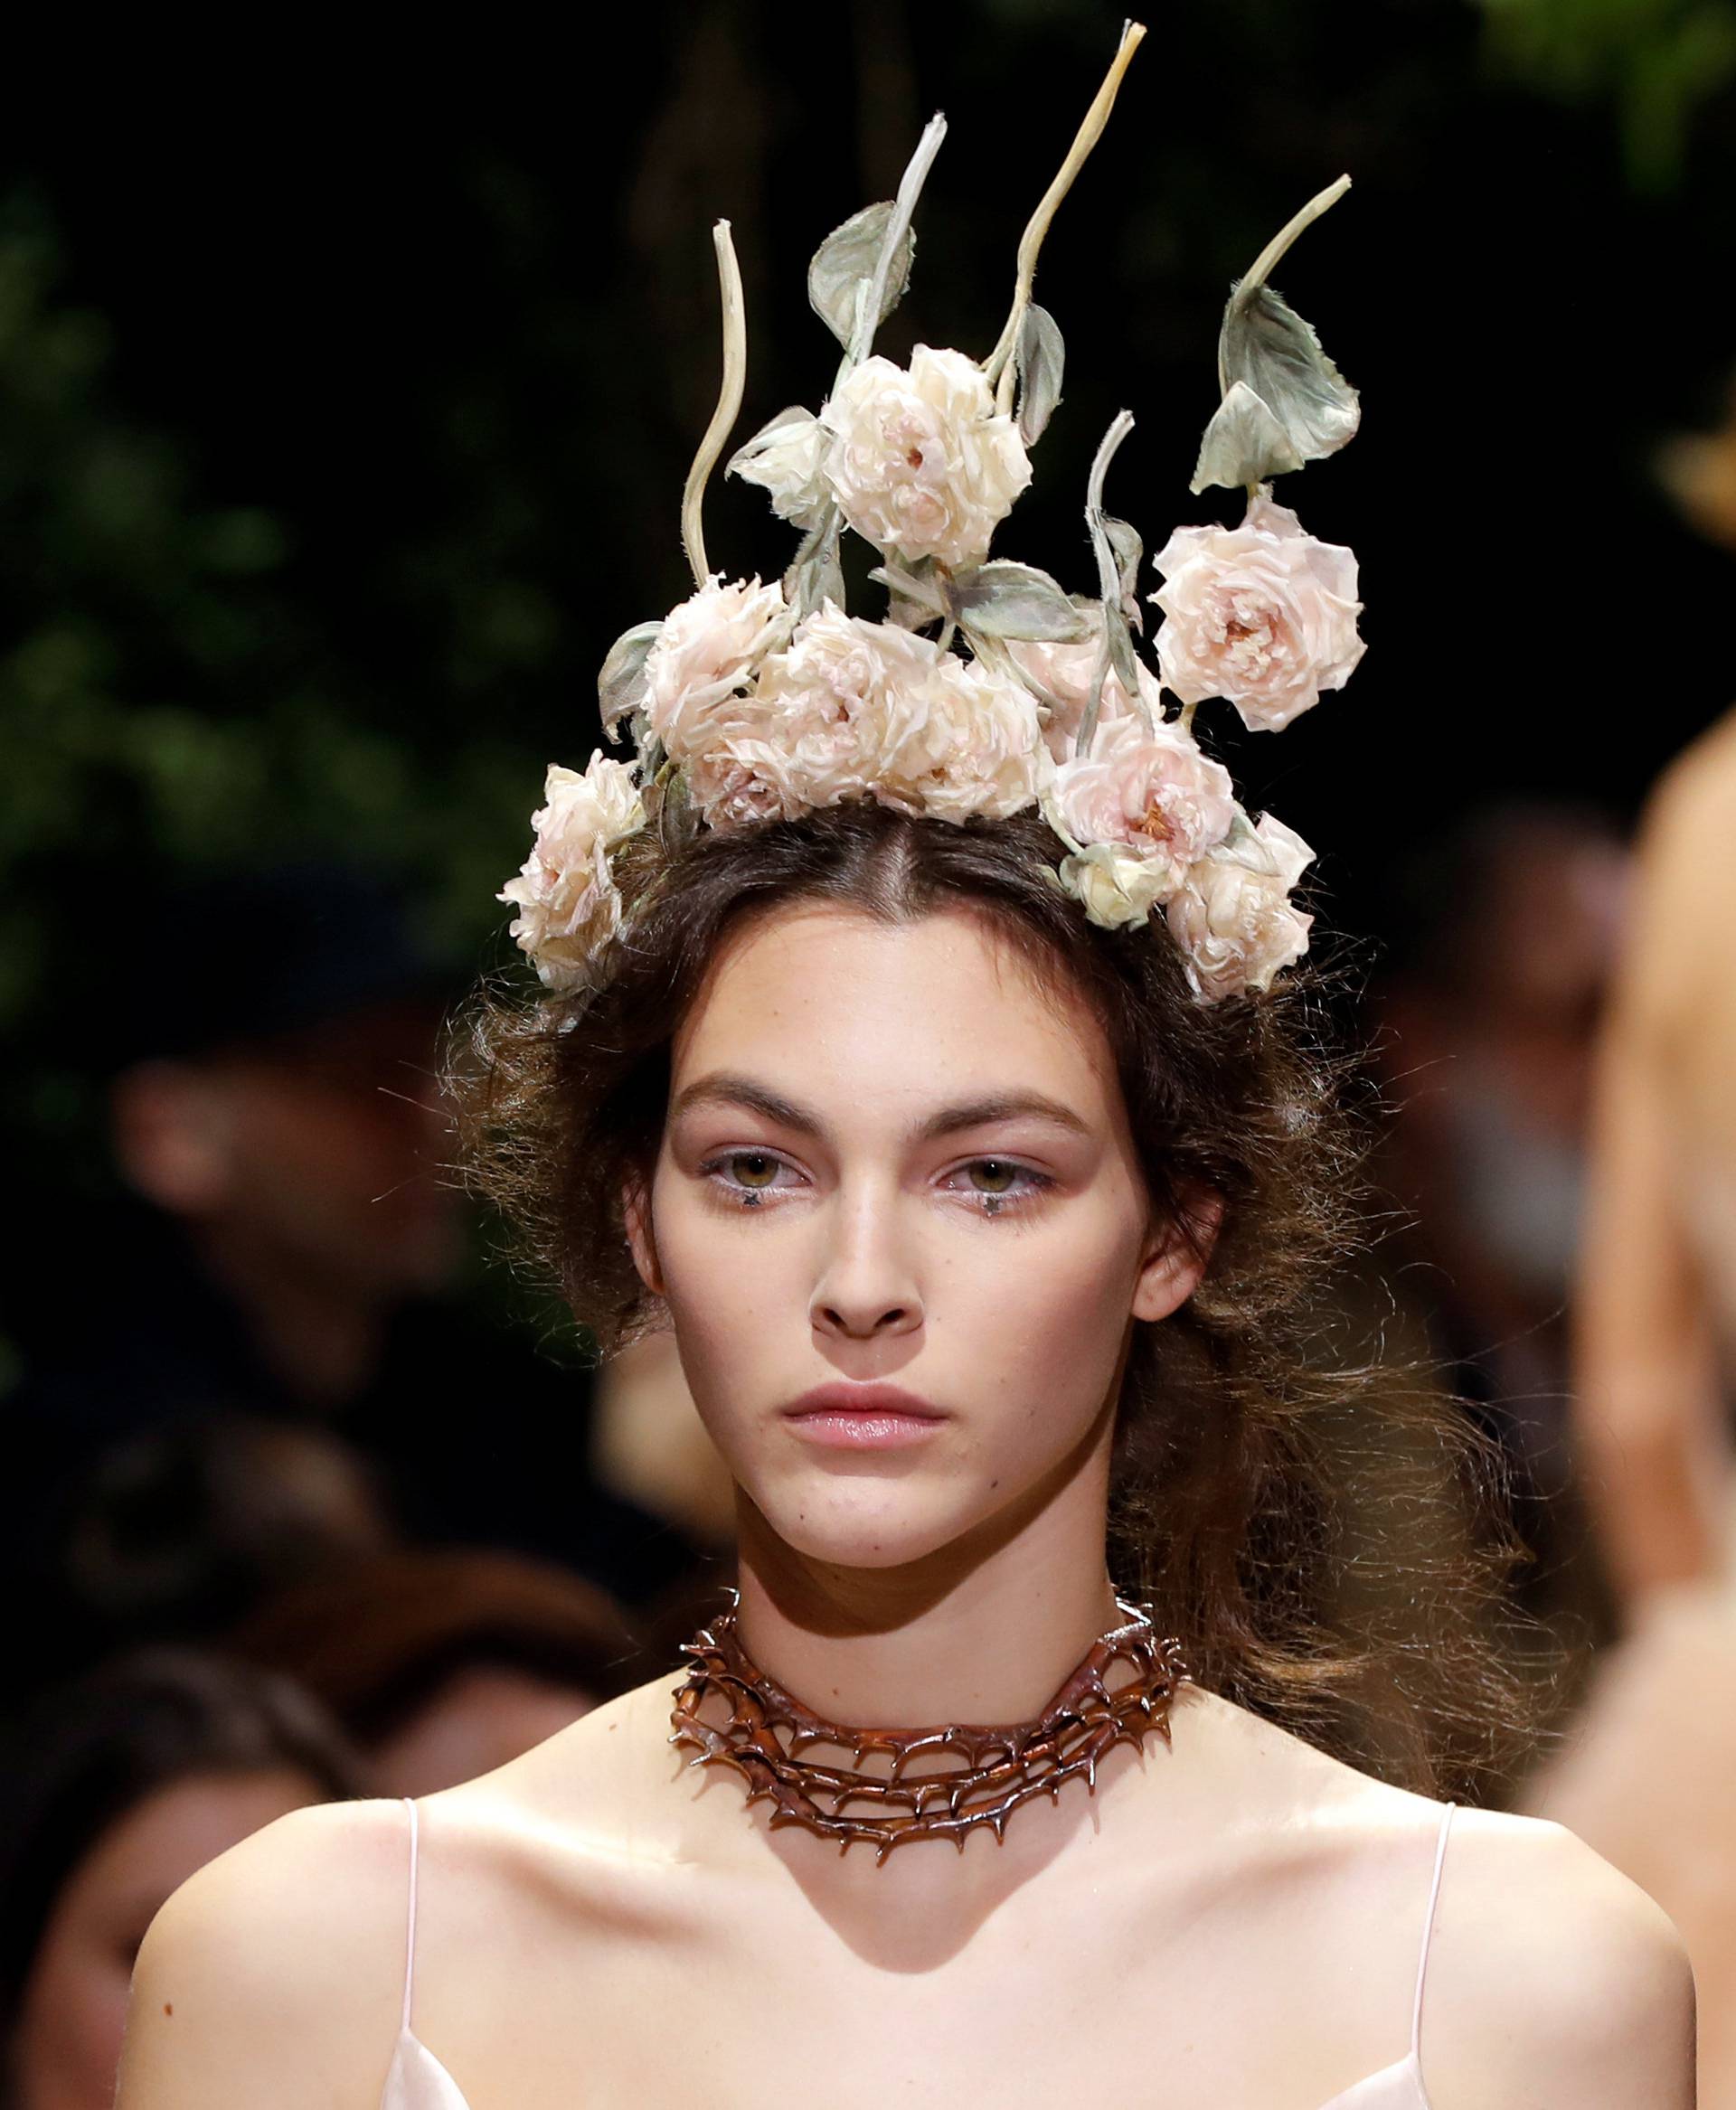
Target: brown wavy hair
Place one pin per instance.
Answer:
(1259, 1471)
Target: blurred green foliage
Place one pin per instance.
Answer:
(168, 704)
(1658, 62)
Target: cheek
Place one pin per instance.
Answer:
(1050, 1311)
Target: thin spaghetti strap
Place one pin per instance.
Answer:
(410, 1934)
(1427, 1931)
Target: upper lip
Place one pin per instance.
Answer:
(848, 1398)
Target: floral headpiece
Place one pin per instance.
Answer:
(751, 702)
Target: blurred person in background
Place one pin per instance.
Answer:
(184, 1530)
(113, 1790)
(296, 1243)
(649, 1445)
(1488, 1026)
(1646, 1777)
(443, 1665)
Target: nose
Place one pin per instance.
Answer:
(867, 1284)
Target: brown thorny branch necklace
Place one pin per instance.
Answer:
(1002, 1765)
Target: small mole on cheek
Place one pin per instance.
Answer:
(168, 2007)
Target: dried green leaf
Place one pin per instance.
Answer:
(620, 681)
(1039, 355)
(1244, 444)
(1267, 345)
(1004, 599)
(847, 260)
(815, 575)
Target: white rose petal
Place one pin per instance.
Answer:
(706, 654)
(569, 905)
(788, 461)
(1117, 888)
(921, 462)
(1234, 923)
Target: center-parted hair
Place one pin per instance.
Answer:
(1255, 1462)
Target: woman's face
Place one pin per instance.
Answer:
(891, 1157)
(74, 2008)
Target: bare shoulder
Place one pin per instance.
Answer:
(1551, 1977)
(273, 1976)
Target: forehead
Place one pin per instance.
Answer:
(839, 1006)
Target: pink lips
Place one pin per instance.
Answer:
(864, 1417)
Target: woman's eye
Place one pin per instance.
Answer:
(993, 1183)
(744, 1172)
(1002, 1180)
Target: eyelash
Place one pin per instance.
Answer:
(1007, 1204)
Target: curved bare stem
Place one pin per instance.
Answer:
(1272, 255)
(869, 302)
(998, 366)
(1108, 578)
(728, 402)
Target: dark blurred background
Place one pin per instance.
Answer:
(347, 386)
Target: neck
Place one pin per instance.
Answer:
(985, 1630)
(319, 1335)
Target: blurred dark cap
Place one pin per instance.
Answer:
(250, 956)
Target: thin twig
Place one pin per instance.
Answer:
(998, 366)
(1109, 577)
(728, 402)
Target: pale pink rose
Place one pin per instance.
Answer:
(860, 710)
(729, 789)
(921, 462)
(569, 905)
(1261, 614)
(1152, 793)
(1233, 916)
(707, 654)
(814, 729)
(967, 741)
(1065, 674)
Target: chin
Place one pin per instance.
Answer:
(870, 1520)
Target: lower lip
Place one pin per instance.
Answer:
(857, 1430)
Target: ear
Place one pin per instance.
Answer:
(1176, 1258)
(170, 1131)
(636, 1207)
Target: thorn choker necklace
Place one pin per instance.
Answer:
(997, 1766)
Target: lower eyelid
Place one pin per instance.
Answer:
(715, 1170)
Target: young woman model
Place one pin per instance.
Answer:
(990, 1198)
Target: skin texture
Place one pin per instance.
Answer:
(1234, 1921)
(71, 2020)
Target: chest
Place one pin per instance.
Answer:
(1078, 2003)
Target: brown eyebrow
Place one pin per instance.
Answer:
(727, 1087)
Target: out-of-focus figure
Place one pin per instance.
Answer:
(443, 1665)
(1488, 1026)
(650, 1445)
(184, 1530)
(113, 1791)
(294, 1243)
(1646, 1778)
